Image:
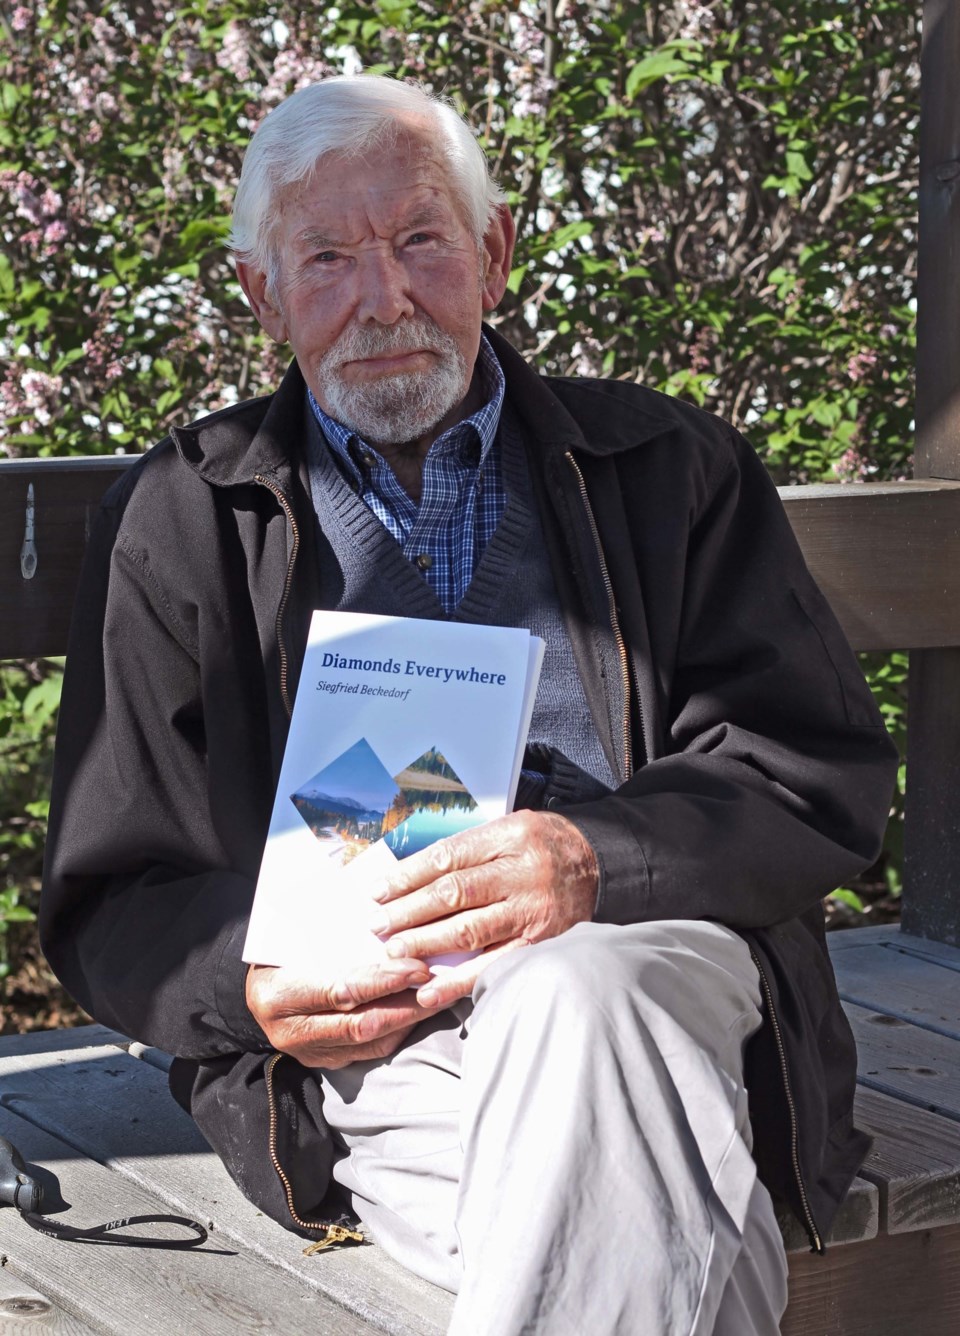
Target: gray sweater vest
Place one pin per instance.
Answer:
(362, 569)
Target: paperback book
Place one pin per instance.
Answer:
(403, 731)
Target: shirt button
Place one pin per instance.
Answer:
(424, 561)
(369, 459)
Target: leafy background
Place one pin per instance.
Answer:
(715, 198)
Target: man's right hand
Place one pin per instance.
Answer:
(366, 1016)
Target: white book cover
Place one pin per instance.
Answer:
(403, 731)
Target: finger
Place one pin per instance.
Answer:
(454, 853)
(471, 931)
(363, 1025)
(449, 894)
(333, 1059)
(382, 980)
(449, 986)
(275, 993)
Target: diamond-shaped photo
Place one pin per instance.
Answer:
(345, 804)
(432, 802)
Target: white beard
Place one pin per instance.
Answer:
(401, 407)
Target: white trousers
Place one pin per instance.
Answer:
(570, 1152)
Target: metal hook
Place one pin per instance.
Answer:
(28, 553)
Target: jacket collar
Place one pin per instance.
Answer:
(259, 436)
(263, 436)
(610, 416)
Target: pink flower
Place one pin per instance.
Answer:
(20, 19)
(54, 233)
(234, 54)
(852, 466)
(860, 363)
(51, 202)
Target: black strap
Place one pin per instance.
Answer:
(98, 1233)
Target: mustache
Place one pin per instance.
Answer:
(377, 340)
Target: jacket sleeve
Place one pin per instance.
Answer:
(772, 780)
(144, 904)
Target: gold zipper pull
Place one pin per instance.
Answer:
(335, 1234)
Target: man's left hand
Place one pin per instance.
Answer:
(511, 882)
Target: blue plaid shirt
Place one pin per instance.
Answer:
(462, 498)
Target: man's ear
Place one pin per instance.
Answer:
(262, 301)
(498, 243)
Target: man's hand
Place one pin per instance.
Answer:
(509, 883)
(367, 1016)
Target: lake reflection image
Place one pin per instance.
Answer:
(345, 804)
(433, 802)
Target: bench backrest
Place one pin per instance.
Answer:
(887, 556)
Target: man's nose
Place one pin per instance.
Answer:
(384, 290)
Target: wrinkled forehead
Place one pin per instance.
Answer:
(404, 168)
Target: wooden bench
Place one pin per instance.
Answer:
(93, 1109)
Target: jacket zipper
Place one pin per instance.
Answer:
(335, 1231)
(614, 624)
(287, 585)
(809, 1223)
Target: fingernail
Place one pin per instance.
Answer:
(397, 948)
(341, 995)
(379, 893)
(428, 996)
(380, 923)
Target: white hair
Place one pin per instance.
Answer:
(348, 114)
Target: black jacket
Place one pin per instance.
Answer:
(757, 774)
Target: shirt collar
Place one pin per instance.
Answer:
(479, 426)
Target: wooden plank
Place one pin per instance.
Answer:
(24, 1311)
(857, 1219)
(35, 613)
(893, 938)
(897, 1285)
(119, 1111)
(931, 905)
(887, 557)
(897, 983)
(215, 1290)
(911, 1064)
(938, 290)
(915, 1163)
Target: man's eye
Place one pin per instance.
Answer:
(325, 257)
(418, 238)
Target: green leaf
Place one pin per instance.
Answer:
(652, 68)
(848, 897)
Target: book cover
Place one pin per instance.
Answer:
(403, 731)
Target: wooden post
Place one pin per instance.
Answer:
(931, 905)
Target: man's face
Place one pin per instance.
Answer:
(381, 290)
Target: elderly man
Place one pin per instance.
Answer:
(567, 1135)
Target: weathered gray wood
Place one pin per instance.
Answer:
(212, 1291)
(894, 1285)
(938, 315)
(895, 939)
(35, 613)
(857, 1219)
(887, 556)
(118, 1111)
(900, 984)
(931, 906)
(915, 1163)
(911, 1064)
(24, 1311)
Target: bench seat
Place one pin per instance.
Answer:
(94, 1111)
